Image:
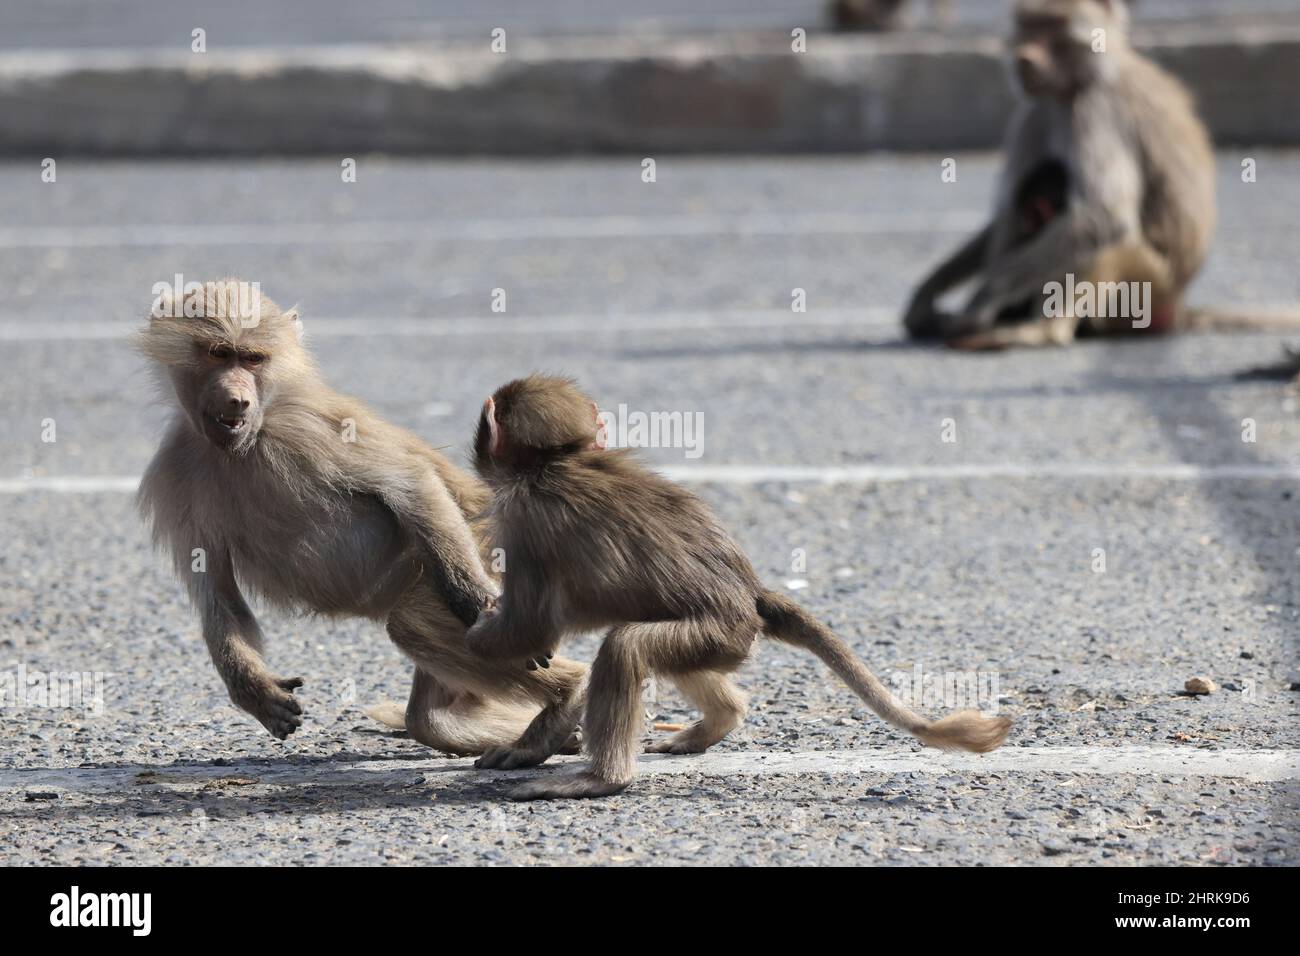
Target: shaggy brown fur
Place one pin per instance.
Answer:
(310, 500)
(594, 539)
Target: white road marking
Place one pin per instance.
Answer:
(57, 330)
(1253, 765)
(866, 474)
(71, 485)
(487, 229)
(810, 474)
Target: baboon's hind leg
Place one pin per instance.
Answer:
(462, 724)
(722, 708)
(612, 726)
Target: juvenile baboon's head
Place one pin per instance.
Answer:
(533, 417)
(228, 353)
(1059, 47)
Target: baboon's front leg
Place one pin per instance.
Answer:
(923, 319)
(502, 635)
(611, 727)
(234, 641)
(450, 554)
(552, 731)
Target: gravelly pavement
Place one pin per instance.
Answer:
(992, 576)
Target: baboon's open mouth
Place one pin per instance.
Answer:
(229, 423)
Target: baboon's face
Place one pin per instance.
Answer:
(1052, 51)
(227, 364)
(223, 393)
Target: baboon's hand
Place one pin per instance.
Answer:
(486, 639)
(483, 637)
(272, 702)
(917, 318)
(541, 660)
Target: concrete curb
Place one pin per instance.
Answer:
(919, 92)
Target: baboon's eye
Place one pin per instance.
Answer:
(220, 352)
(252, 358)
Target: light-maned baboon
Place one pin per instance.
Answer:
(1136, 169)
(269, 481)
(594, 539)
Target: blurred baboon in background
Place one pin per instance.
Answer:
(1108, 179)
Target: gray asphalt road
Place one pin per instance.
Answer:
(674, 296)
(163, 23)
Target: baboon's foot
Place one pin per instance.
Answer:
(568, 787)
(511, 758)
(695, 739)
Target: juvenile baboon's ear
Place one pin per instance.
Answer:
(496, 434)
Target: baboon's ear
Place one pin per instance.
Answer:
(496, 434)
(294, 319)
(602, 434)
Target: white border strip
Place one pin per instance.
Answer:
(614, 323)
(748, 475)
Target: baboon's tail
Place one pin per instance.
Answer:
(967, 730)
(389, 713)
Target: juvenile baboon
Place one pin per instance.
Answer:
(1138, 176)
(270, 480)
(595, 539)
